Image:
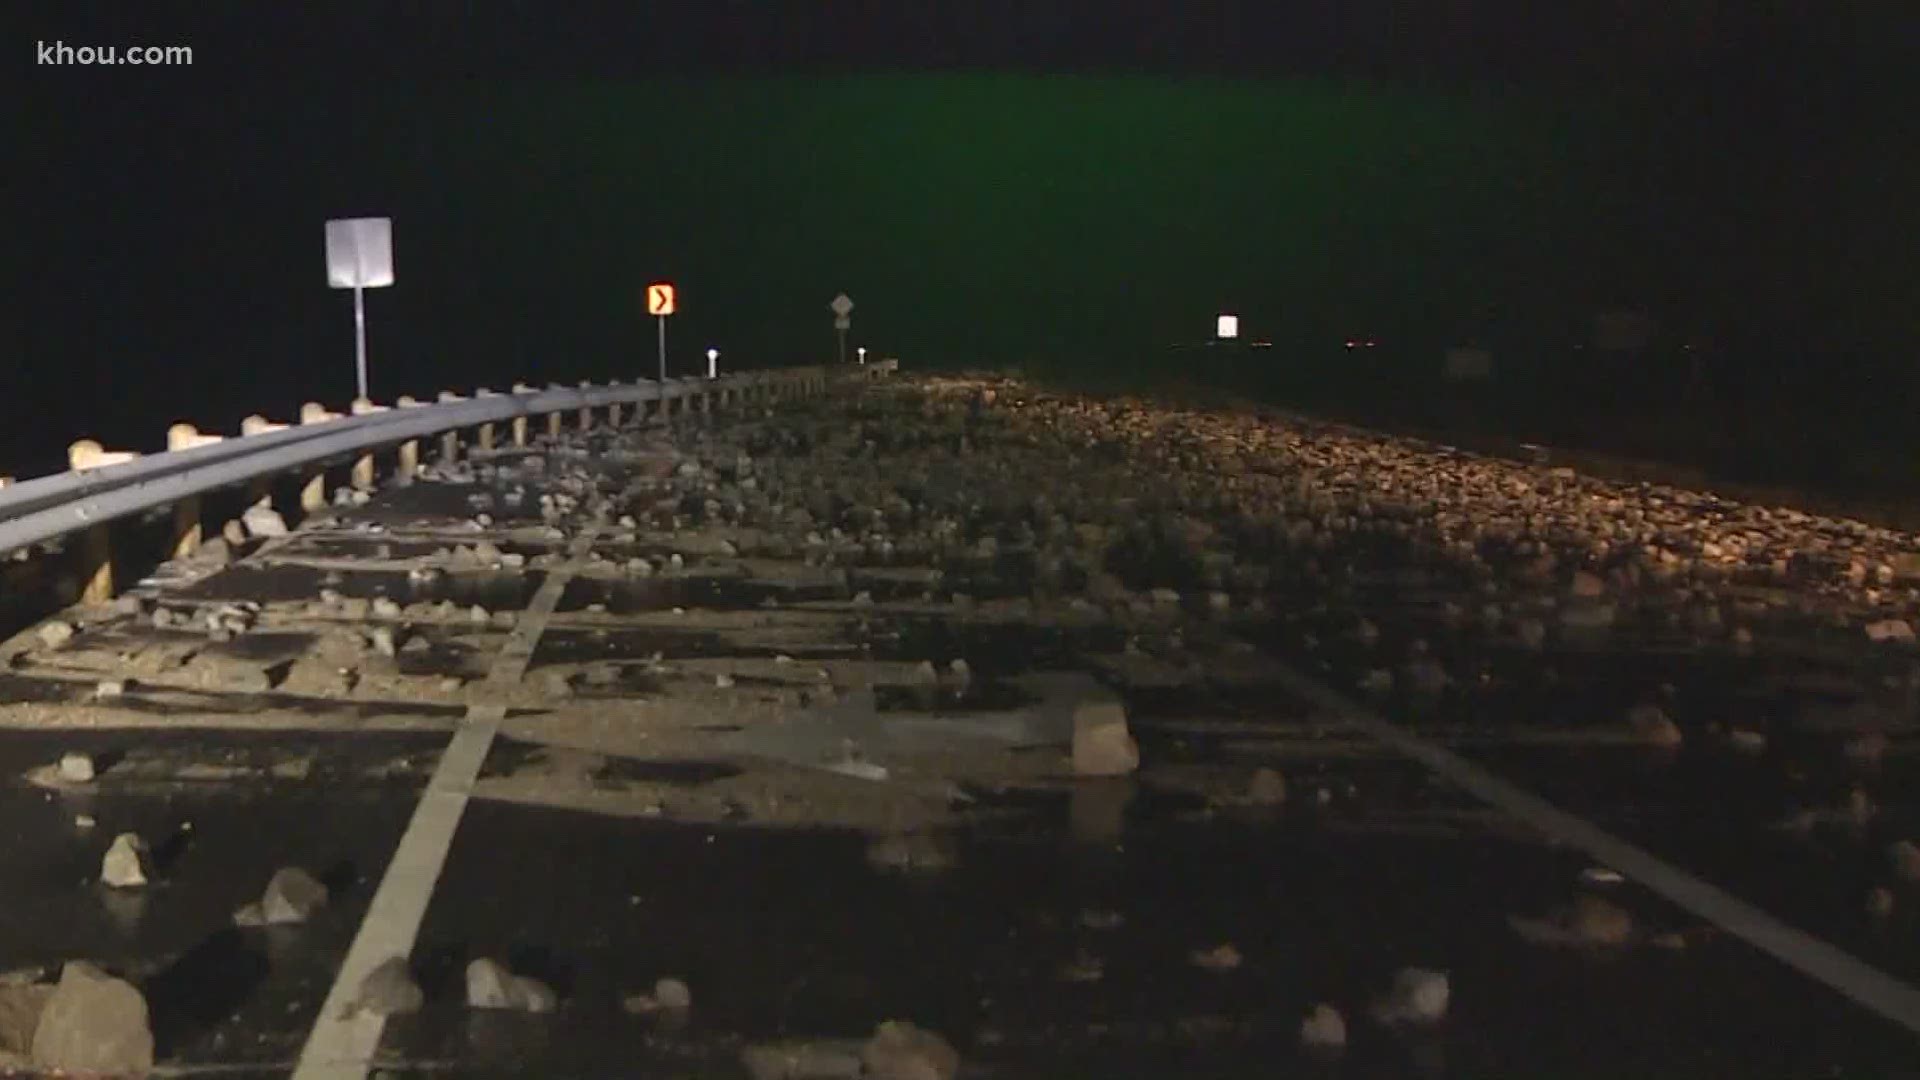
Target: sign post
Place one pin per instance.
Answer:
(660, 304)
(360, 257)
(842, 308)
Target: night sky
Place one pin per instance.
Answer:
(992, 182)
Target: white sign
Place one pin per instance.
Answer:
(360, 253)
(842, 305)
(1228, 326)
(842, 323)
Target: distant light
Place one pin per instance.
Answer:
(1371, 343)
(1351, 343)
(1229, 327)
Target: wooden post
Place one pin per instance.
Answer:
(313, 493)
(450, 439)
(362, 478)
(520, 422)
(485, 433)
(586, 411)
(187, 529)
(260, 489)
(409, 450)
(96, 546)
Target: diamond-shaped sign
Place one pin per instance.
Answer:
(842, 305)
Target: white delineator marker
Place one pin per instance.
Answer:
(862, 351)
(360, 256)
(713, 363)
(1227, 326)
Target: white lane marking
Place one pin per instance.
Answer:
(341, 1046)
(1840, 970)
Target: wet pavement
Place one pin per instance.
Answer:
(681, 788)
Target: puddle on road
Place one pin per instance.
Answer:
(217, 994)
(796, 934)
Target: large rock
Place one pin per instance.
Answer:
(56, 634)
(94, 1024)
(490, 985)
(389, 990)
(124, 865)
(1418, 997)
(901, 1051)
(263, 522)
(292, 896)
(21, 1006)
(1102, 745)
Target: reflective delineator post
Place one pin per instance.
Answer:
(360, 338)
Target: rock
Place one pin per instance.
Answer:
(56, 634)
(1102, 745)
(233, 535)
(381, 638)
(124, 865)
(263, 522)
(1587, 616)
(21, 1006)
(109, 689)
(1747, 741)
(1418, 997)
(1890, 630)
(479, 616)
(292, 896)
(385, 607)
(1323, 1029)
(1880, 903)
(672, 994)
(1587, 585)
(93, 1024)
(1905, 857)
(1378, 682)
(1220, 958)
(450, 684)
(1267, 788)
(217, 551)
(723, 681)
(490, 985)
(389, 990)
(901, 1051)
(1651, 725)
(76, 767)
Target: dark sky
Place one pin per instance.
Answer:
(991, 181)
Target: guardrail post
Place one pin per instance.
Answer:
(187, 529)
(520, 422)
(259, 489)
(96, 546)
(613, 407)
(586, 411)
(486, 429)
(553, 418)
(362, 478)
(450, 439)
(409, 450)
(313, 493)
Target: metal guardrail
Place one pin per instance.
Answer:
(86, 499)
